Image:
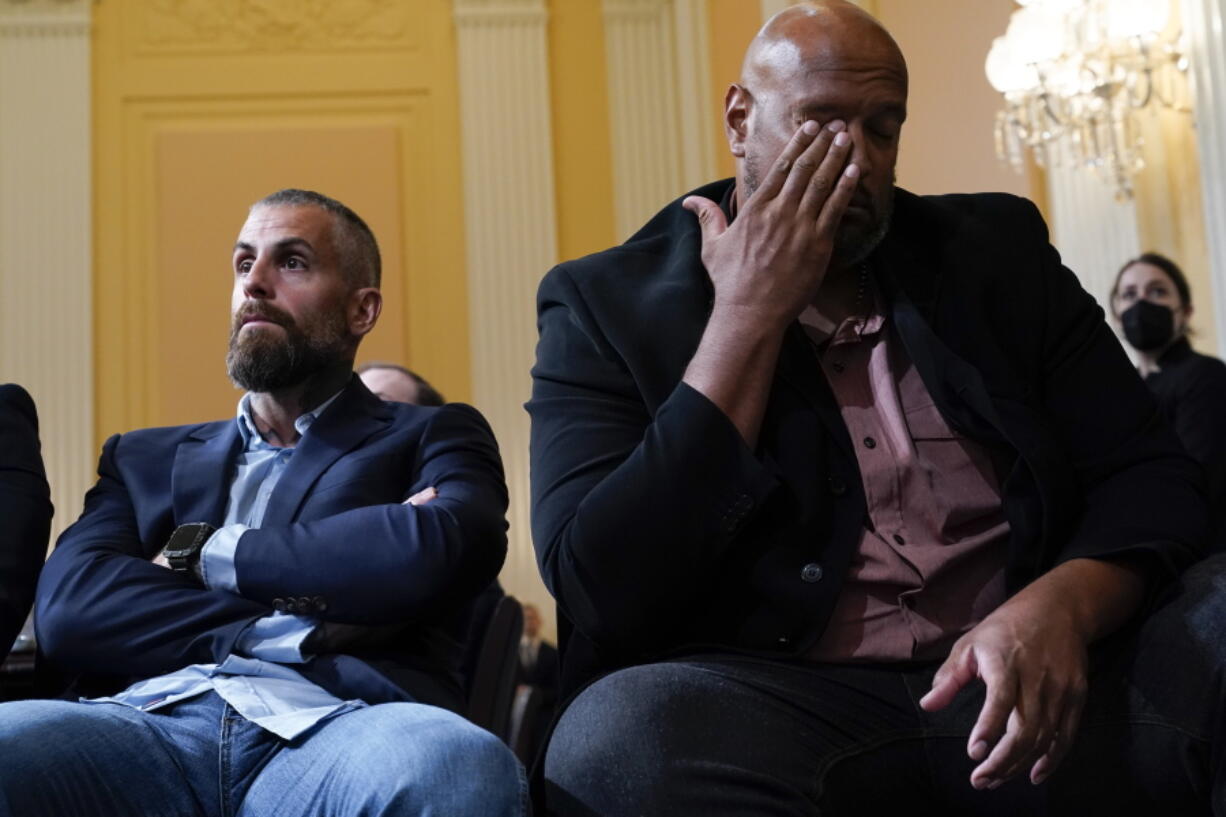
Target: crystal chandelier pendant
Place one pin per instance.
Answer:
(1076, 75)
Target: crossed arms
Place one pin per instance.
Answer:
(104, 607)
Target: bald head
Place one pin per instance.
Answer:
(824, 61)
(830, 35)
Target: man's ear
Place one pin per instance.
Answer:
(737, 104)
(365, 305)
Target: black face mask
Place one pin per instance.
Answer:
(1148, 326)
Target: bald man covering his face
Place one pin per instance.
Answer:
(850, 500)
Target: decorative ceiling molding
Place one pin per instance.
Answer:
(179, 27)
(44, 17)
(479, 12)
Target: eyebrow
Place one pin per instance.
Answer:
(285, 243)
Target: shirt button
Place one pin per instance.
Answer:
(837, 486)
(278, 605)
(811, 572)
(321, 604)
(899, 540)
(305, 604)
(784, 640)
(869, 442)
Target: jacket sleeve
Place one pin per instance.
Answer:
(25, 508)
(631, 508)
(104, 607)
(1143, 495)
(416, 562)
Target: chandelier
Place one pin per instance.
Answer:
(1075, 74)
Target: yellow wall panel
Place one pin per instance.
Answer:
(733, 23)
(203, 107)
(198, 213)
(583, 161)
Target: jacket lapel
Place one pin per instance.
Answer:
(350, 420)
(203, 470)
(911, 282)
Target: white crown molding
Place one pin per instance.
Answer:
(484, 12)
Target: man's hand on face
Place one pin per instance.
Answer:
(1032, 658)
(772, 260)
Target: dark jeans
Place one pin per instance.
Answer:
(716, 735)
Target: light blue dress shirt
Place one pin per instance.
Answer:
(258, 687)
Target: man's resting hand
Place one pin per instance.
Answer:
(1032, 656)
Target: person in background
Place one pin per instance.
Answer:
(538, 659)
(538, 670)
(1152, 301)
(25, 511)
(399, 385)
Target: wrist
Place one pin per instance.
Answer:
(748, 320)
(183, 549)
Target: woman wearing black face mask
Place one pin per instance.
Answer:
(1152, 302)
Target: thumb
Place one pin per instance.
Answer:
(957, 671)
(711, 219)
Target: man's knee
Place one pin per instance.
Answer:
(433, 758)
(619, 740)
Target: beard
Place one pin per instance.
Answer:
(264, 360)
(853, 243)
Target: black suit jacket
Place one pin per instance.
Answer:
(335, 539)
(25, 510)
(1191, 391)
(659, 532)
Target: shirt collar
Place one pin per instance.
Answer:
(251, 434)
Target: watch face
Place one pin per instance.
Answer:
(185, 544)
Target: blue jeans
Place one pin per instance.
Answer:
(199, 757)
(721, 735)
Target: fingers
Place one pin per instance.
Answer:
(711, 219)
(957, 671)
(999, 700)
(1028, 727)
(1040, 732)
(828, 180)
(421, 497)
(834, 207)
(818, 167)
(1065, 733)
(782, 169)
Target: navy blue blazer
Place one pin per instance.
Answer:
(25, 510)
(335, 532)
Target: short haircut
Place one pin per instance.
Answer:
(1163, 263)
(356, 248)
(427, 395)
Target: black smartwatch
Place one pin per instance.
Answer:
(182, 549)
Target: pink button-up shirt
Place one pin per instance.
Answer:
(930, 565)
